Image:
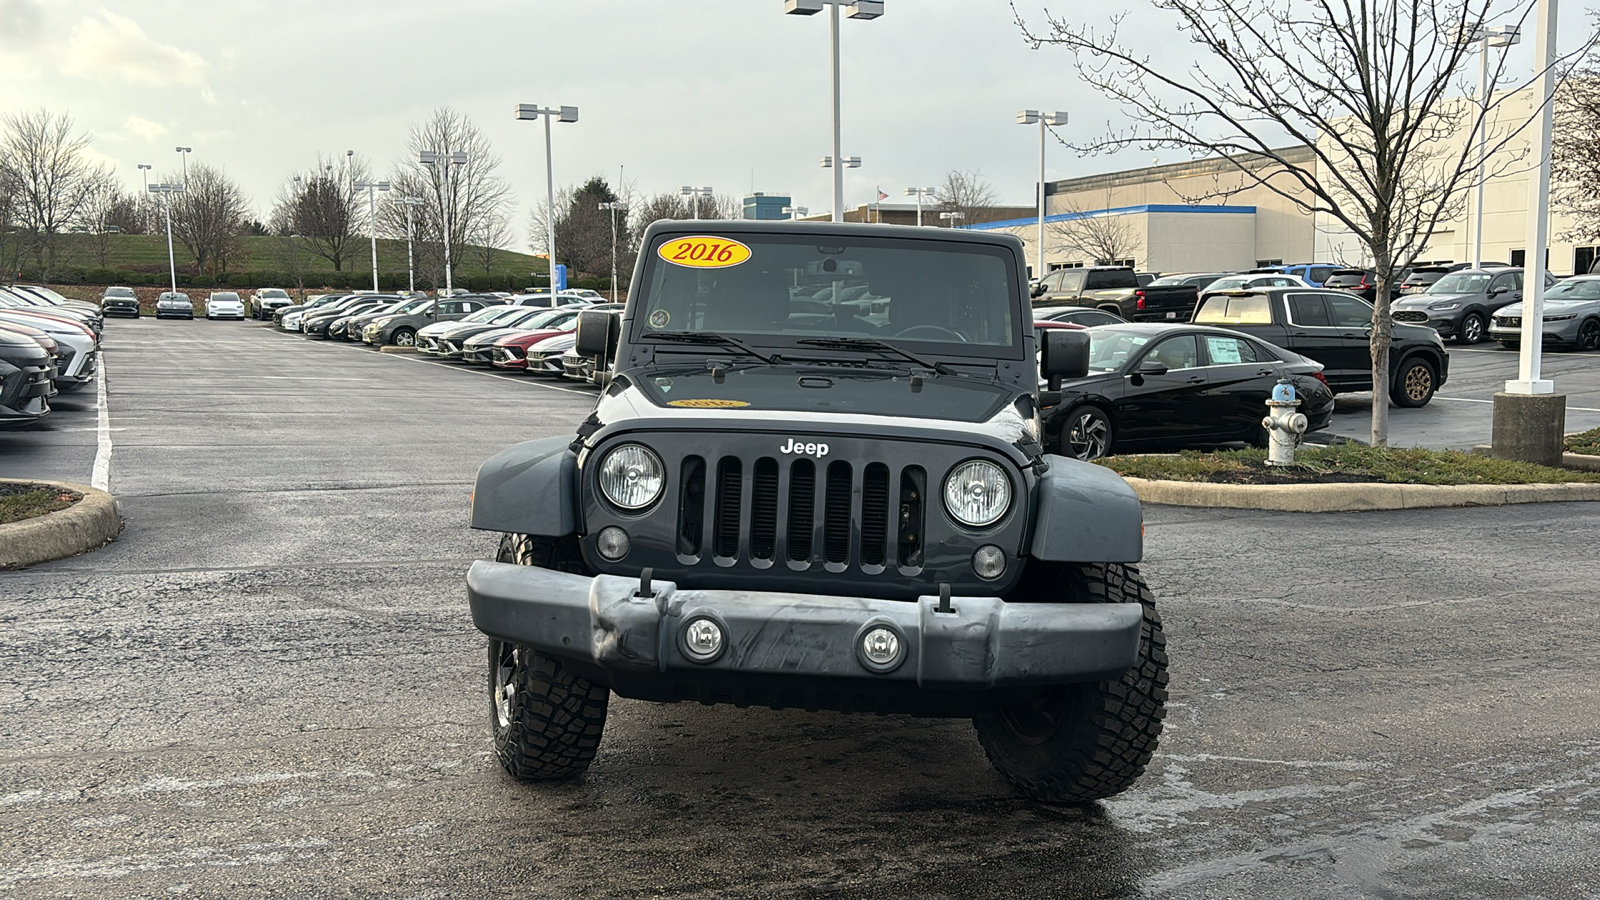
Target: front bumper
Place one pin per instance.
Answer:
(783, 649)
(1446, 322)
(1509, 329)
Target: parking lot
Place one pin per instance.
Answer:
(270, 684)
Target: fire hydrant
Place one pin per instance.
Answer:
(1284, 426)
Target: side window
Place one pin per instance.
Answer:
(1180, 352)
(1349, 312)
(1508, 281)
(1228, 351)
(1053, 281)
(1308, 309)
(1320, 274)
(1072, 281)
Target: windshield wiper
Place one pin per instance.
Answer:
(875, 344)
(711, 337)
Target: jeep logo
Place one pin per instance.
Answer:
(794, 446)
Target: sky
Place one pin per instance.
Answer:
(730, 94)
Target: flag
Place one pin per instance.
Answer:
(882, 196)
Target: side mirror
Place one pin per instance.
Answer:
(1037, 290)
(1064, 354)
(1151, 367)
(1495, 292)
(594, 333)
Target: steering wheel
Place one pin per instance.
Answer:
(939, 328)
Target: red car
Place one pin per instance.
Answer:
(511, 352)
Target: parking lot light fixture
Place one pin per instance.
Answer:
(954, 217)
(410, 203)
(372, 221)
(858, 9)
(183, 156)
(1044, 120)
(696, 193)
(794, 212)
(443, 162)
(1530, 378)
(527, 112)
(166, 191)
(613, 206)
(1498, 37)
(919, 193)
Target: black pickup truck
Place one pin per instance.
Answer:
(1116, 289)
(1334, 328)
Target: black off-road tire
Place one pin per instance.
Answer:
(1415, 381)
(1077, 743)
(546, 721)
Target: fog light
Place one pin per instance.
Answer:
(881, 648)
(612, 543)
(989, 562)
(702, 640)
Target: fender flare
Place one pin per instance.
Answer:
(1086, 513)
(529, 488)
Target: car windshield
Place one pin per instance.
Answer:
(541, 318)
(226, 297)
(785, 290)
(1588, 289)
(1232, 283)
(1171, 281)
(406, 306)
(1243, 309)
(1461, 283)
(489, 314)
(119, 292)
(1110, 348)
(273, 294)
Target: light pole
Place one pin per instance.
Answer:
(166, 191)
(952, 217)
(845, 162)
(919, 193)
(443, 162)
(794, 212)
(527, 112)
(372, 221)
(613, 206)
(1499, 36)
(411, 266)
(858, 9)
(144, 207)
(184, 157)
(696, 193)
(1050, 119)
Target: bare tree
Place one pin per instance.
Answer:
(322, 208)
(474, 191)
(1575, 150)
(51, 178)
(1102, 238)
(209, 217)
(967, 193)
(10, 236)
(103, 203)
(1372, 89)
(290, 255)
(489, 238)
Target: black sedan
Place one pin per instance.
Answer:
(1154, 386)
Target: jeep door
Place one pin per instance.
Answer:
(1170, 407)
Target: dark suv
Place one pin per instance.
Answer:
(790, 501)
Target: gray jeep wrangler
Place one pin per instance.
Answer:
(814, 480)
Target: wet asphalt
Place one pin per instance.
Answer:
(269, 686)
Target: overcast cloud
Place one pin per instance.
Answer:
(727, 93)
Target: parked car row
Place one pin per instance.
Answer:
(48, 344)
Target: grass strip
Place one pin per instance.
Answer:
(1585, 442)
(25, 501)
(1346, 463)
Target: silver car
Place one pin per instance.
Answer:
(1571, 316)
(1460, 303)
(174, 303)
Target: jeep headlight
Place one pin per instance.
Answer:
(632, 477)
(977, 493)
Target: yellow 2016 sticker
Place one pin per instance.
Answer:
(708, 404)
(704, 252)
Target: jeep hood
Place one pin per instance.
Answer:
(810, 389)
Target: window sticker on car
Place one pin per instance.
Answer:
(660, 318)
(704, 252)
(708, 404)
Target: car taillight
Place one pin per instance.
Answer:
(1319, 377)
(1138, 299)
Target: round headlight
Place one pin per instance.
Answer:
(632, 477)
(977, 493)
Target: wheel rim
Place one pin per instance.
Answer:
(1038, 720)
(405, 339)
(1419, 383)
(1589, 335)
(1088, 435)
(505, 693)
(1472, 329)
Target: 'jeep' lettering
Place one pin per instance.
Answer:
(794, 446)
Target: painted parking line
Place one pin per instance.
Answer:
(100, 477)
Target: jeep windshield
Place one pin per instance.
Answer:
(801, 294)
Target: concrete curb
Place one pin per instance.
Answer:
(1353, 497)
(392, 349)
(1581, 461)
(83, 526)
